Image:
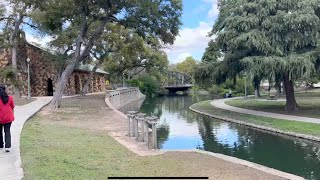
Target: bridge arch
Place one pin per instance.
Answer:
(178, 81)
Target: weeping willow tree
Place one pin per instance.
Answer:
(269, 38)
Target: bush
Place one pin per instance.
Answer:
(147, 85)
(215, 89)
(134, 83)
(237, 90)
(239, 87)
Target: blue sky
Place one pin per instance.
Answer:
(194, 11)
(198, 18)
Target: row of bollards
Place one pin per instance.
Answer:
(139, 127)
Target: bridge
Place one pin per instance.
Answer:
(178, 81)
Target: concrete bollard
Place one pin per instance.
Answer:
(154, 135)
(129, 116)
(136, 129)
(153, 122)
(131, 122)
(147, 138)
(141, 117)
(149, 134)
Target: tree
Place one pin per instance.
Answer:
(132, 54)
(212, 52)
(134, 61)
(187, 66)
(13, 17)
(274, 36)
(218, 71)
(79, 24)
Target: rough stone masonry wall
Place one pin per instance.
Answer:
(77, 80)
(41, 69)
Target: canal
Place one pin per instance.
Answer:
(179, 128)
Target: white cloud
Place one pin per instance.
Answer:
(38, 40)
(189, 41)
(182, 56)
(178, 127)
(214, 11)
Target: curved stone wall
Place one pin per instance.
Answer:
(116, 99)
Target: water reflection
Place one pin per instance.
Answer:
(180, 128)
(279, 152)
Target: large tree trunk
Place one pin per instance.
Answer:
(15, 72)
(278, 88)
(291, 105)
(85, 87)
(256, 82)
(14, 55)
(56, 100)
(283, 89)
(78, 57)
(257, 93)
(278, 91)
(269, 88)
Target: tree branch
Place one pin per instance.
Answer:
(31, 25)
(6, 18)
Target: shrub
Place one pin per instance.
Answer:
(238, 89)
(147, 85)
(134, 83)
(215, 89)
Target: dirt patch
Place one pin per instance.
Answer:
(215, 168)
(85, 112)
(23, 101)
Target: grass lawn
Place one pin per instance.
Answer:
(71, 143)
(292, 126)
(309, 104)
(54, 152)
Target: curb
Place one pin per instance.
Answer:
(18, 164)
(221, 156)
(287, 133)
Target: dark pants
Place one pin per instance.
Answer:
(7, 136)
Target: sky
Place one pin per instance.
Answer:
(198, 18)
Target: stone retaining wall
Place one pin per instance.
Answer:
(122, 97)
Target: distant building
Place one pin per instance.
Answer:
(44, 75)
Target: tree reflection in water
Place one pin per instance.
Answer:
(279, 152)
(180, 128)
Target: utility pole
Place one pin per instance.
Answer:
(29, 88)
(245, 85)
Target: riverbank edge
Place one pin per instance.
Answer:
(216, 155)
(110, 105)
(268, 129)
(120, 97)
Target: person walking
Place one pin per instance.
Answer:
(6, 117)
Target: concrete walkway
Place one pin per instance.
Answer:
(220, 103)
(10, 163)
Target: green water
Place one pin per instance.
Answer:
(180, 128)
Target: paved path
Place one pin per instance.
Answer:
(220, 103)
(10, 163)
